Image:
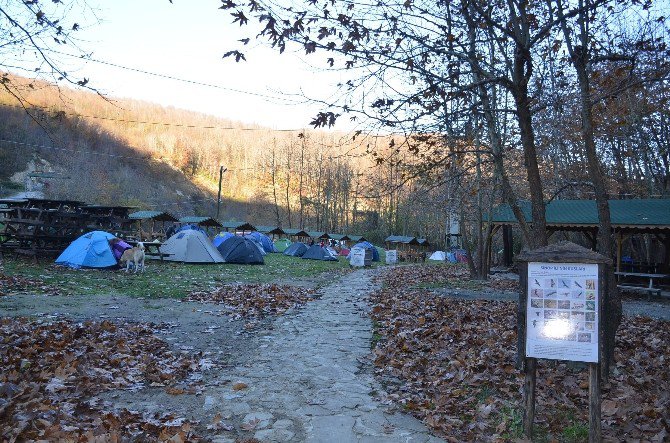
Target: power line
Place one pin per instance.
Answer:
(169, 77)
(179, 125)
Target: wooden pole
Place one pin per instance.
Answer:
(594, 403)
(529, 397)
(218, 197)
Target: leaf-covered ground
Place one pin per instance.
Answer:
(15, 283)
(255, 300)
(451, 363)
(50, 373)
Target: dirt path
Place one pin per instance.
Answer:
(304, 376)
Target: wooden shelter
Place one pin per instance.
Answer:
(237, 227)
(297, 235)
(629, 217)
(272, 231)
(147, 227)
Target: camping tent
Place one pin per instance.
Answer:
(368, 245)
(438, 256)
(191, 227)
(191, 246)
(263, 240)
(91, 250)
(282, 244)
(296, 249)
(240, 250)
(223, 236)
(316, 252)
(257, 244)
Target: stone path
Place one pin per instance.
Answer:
(310, 380)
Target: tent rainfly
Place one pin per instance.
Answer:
(191, 246)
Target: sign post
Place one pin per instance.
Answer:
(559, 318)
(391, 257)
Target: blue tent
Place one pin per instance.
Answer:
(221, 238)
(263, 240)
(368, 245)
(316, 252)
(296, 249)
(91, 250)
(240, 250)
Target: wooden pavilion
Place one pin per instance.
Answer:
(147, 227)
(238, 227)
(629, 218)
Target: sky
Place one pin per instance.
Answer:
(187, 40)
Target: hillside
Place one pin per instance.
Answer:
(120, 151)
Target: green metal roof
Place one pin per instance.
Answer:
(238, 225)
(152, 215)
(202, 221)
(357, 238)
(339, 237)
(402, 239)
(317, 234)
(296, 233)
(653, 213)
(270, 229)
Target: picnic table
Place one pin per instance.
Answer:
(641, 276)
(152, 249)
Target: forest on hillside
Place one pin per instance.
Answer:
(144, 155)
(119, 151)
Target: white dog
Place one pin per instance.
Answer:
(135, 256)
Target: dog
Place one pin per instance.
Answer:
(135, 256)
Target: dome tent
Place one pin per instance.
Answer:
(191, 246)
(91, 250)
(282, 244)
(316, 252)
(263, 240)
(438, 256)
(221, 237)
(240, 250)
(297, 249)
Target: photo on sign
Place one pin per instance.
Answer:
(579, 294)
(551, 304)
(590, 284)
(577, 316)
(577, 305)
(590, 306)
(536, 303)
(537, 293)
(563, 304)
(584, 337)
(590, 316)
(590, 295)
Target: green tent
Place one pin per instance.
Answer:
(282, 244)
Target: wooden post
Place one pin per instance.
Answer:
(594, 403)
(619, 250)
(529, 397)
(218, 197)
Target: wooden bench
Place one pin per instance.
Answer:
(651, 289)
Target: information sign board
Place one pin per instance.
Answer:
(391, 257)
(562, 311)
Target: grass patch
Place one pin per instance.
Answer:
(168, 279)
(576, 432)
